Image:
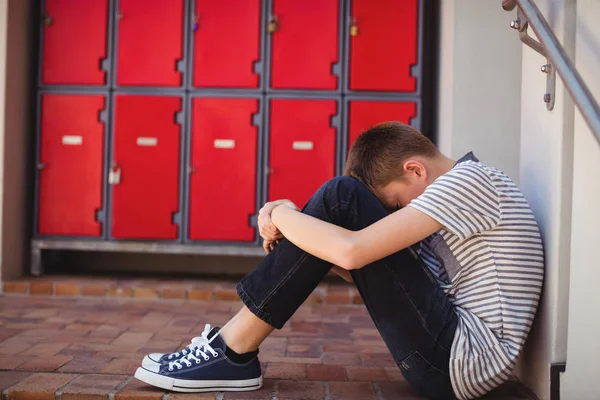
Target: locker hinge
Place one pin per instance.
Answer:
(253, 220)
(336, 69)
(176, 218)
(47, 20)
(104, 64)
(103, 116)
(415, 71)
(180, 66)
(179, 117)
(334, 121)
(100, 215)
(257, 67)
(256, 119)
(114, 175)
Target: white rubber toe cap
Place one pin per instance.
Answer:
(151, 361)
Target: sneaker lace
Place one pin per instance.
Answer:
(196, 342)
(200, 351)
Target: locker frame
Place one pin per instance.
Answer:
(342, 150)
(104, 116)
(178, 216)
(416, 70)
(181, 65)
(334, 122)
(337, 71)
(259, 122)
(107, 63)
(259, 66)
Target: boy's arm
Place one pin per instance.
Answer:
(354, 249)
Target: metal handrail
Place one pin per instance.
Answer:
(582, 97)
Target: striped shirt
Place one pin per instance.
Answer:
(489, 260)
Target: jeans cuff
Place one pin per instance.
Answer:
(248, 302)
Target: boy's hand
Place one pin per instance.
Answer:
(268, 231)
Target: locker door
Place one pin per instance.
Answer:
(74, 42)
(364, 114)
(226, 43)
(305, 45)
(71, 152)
(223, 162)
(146, 158)
(385, 46)
(150, 42)
(302, 148)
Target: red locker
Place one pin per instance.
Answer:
(383, 45)
(150, 42)
(223, 173)
(145, 167)
(302, 148)
(74, 42)
(305, 44)
(363, 114)
(72, 142)
(226, 43)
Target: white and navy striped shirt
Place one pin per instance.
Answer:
(489, 260)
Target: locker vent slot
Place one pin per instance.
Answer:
(299, 145)
(224, 144)
(147, 141)
(72, 140)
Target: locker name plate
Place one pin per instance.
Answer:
(72, 140)
(299, 145)
(147, 141)
(224, 144)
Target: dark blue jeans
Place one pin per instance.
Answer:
(410, 310)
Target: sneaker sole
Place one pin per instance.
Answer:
(185, 385)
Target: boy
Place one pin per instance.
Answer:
(454, 313)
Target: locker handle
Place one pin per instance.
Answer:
(353, 27)
(273, 24)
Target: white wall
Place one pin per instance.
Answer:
(583, 348)
(546, 180)
(480, 81)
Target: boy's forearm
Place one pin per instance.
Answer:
(319, 238)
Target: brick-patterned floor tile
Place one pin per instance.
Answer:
(378, 359)
(85, 365)
(122, 366)
(41, 386)
(67, 289)
(134, 340)
(45, 349)
(12, 362)
(226, 295)
(6, 333)
(16, 287)
(10, 378)
(264, 393)
(45, 363)
(92, 387)
(397, 390)
(292, 390)
(138, 390)
(145, 292)
(200, 293)
(290, 360)
(368, 374)
(192, 396)
(336, 358)
(338, 297)
(394, 373)
(351, 391)
(285, 371)
(120, 291)
(94, 289)
(303, 350)
(326, 372)
(174, 292)
(41, 288)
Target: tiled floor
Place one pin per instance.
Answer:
(88, 348)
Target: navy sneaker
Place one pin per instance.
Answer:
(206, 369)
(154, 359)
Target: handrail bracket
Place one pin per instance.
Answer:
(521, 25)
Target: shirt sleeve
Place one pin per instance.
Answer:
(464, 200)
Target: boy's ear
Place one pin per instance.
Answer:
(413, 167)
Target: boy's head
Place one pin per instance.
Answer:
(395, 161)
